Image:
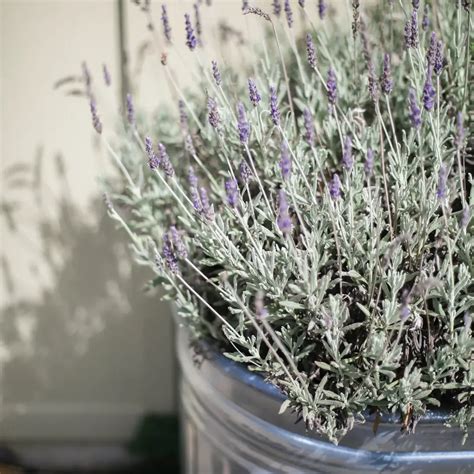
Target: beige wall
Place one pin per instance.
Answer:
(82, 352)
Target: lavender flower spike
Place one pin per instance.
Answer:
(301, 3)
(347, 160)
(415, 111)
(243, 126)
(166, 23)
(332, 87)
(97, 124)
(164, 161)
(431, 54)
(373, 85)
(386, 79)
(439, 60)
(416, 4)
(276, 7)
(183, 116)
(130, 110)
(178, 243)
(196, 199)
(245, 5)
(310, 51)
(213, 112)
(274, 112)
(369, 162)
(232, 191)
(191, 41)
(192, 178)
(322, 7)
(207, 208)
(153, 160)
(107, 78)
(425, 22)
(254, 95)
(309, 134)
(442, 180)
(335, 187)
(245, 171)
(411, 31)
(284, 219)
(216, 74)
(429, 93)
(289, 13)
(168, 254)
(285, 161)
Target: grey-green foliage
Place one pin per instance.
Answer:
(365, 305)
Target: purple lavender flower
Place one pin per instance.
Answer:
(168, 254)
(195, 199)
(197, 21)
(416, 4)
(232, 191)
(285, 161)
(216, 74)
(107, 78)
(411, 31)
(274, 112)
(284, 219)
(191, 41)
(178, 243)
(332, 87)
(414, 28)
(213, 112)
(439, 59)
(245, 5)
(289, 13)
(130, 110)
(310, 51)
(415, 111)
(245, 171)
(335, 187)
(183, 116)
(322, 9)
(386, 79)
(309, 134)
(460, 132)
(243, 125)
(369, 162)
(153, 160)
(431, 54)
(425, 22)
(429, 93)
(192, 178)
(207, 209)
(97, 124)
(442, 180)
(276, 7)
(164, 161)
(301, 3)
(166, 23)
(347, 160)
(254, 95)
(373, 85)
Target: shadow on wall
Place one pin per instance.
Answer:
(90, 346)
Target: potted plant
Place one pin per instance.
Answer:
(312, 222)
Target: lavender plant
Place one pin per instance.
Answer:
(314, 222)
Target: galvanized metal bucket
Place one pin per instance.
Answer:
(230, 424)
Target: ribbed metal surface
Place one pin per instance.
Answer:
(231, 425)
